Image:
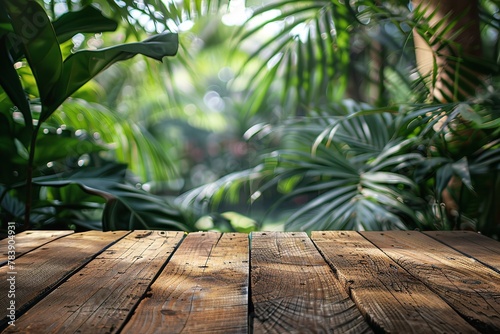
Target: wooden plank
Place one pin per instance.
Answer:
(203, 288)
(472, 289)
(37, 272)
(295, 291)
(480, 247)
(28, 240)
(390, 298)
(100, 297)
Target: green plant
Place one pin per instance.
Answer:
(344, 172)
(27, 33)
(437, 166)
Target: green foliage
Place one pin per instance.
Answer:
(348, 179)
(386, 164)
(460, 143)
(28, 32)
(126, 206)
(284, 83)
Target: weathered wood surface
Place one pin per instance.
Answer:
(477, 246)
(27, 241)
(203, 288)
(100, 297)
(294, 290)
(44, 268)
(469, 287)
(268, 282)
(389, 297)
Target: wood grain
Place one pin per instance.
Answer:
(43, 268)
(391, 299)
(295, 291)
(481, 248)
(100, 297)
(203, 288)
(29, 240)
(393, 281)
(472, 289)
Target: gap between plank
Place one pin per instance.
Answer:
(146, 294)
(464, 254)
(63, 279)
(2, 263)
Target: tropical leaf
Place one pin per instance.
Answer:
(86, 20)
(10, 205)
(53, 147)
(11, 84)
(141, 150)
(301, 49)
(82, 66)
(346, 166)
(32, 26)
(126, 206)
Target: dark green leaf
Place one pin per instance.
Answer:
(10, 204)
(126, 206)
(461, 169)
(86, 20)
(82, 66)
(41, 48)
(443, 176)
(51, 147)
(10, 82)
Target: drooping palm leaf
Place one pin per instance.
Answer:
(131, 143)
(86, 20)
(302, 50)
(347, 174)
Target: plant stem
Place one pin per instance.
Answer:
(29, 177)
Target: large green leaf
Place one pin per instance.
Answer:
(10, 205)
(11, 84)
(52, 147)
(37, 37)
(82, 66)
(126, 206)
(86, 20)
(141, 147)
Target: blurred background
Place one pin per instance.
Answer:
(298, 115)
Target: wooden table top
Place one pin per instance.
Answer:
(265, 282)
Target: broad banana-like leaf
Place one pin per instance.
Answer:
(36, 35)
(86, 20)
(11, 84)
(82, 66)
(57, 80)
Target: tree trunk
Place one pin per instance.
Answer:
(452, 36)
(447, 36)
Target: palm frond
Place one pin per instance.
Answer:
(131, 142)
(305, 43)
(363, 165)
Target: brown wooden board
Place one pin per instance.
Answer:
(37, 272)
(483, 249)
(295, 291)
(203, 288)
(25, 242)
(100, 297)
(391, 299)
(471, 288)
